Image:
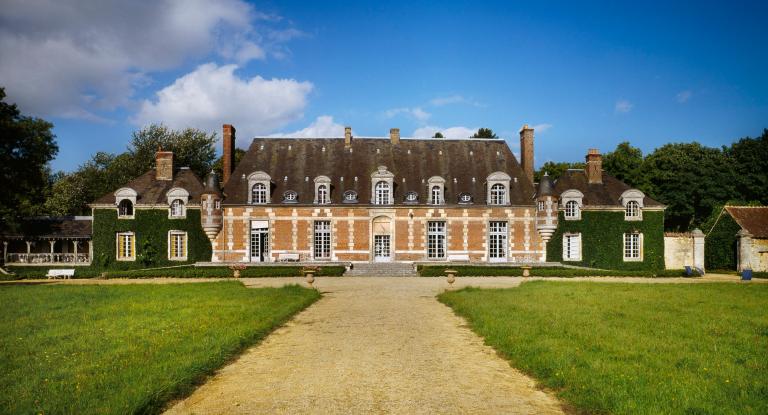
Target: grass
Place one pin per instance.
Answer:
(632, 348)
(127, 349)
(516, 271)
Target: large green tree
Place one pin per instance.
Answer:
(749, 157)
(626, 164)
(556, 169)
(484, 133)
(191, 147)
(27, 145)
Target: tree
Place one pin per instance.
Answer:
(438, 135)
(555, 170)
(191, 147)
(27, 145)
(218, 165)
(484, 133)
(626, 164)
(750, 159)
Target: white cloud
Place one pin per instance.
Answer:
(323, 126)
(684, 96)
(451, 132)
(72, 58)
(211, 95)
(540, 128)
(623, 106)
(416, 112)
(453, 99)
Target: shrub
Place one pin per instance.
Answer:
(479, 270)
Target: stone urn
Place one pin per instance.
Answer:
(309, 273)
(236, 270)
(526, 271)
(450, 275)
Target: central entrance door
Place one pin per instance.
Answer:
(259, 241)
(382, 239)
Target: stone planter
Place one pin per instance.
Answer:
(451, 275)
(526, 271)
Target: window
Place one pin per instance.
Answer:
(633, 246)
(498, 194)
(259, 194)
(217, 204)
(125, 208)
(572, 210)
(540, 205)
(126, 246)
(177, 246)
(465, 198)
(290, 196)
(632, 210)
(497, 241)
(572, 247)
(323, 239)
(436, 197)
(177, 208)
(411, 197)
(322, 194)
(435, 240)
(382, 193)
(350, 196)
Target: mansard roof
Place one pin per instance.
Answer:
(607, 193)
(151, 191)
(753, 219)
(294, 163)
(51, 227)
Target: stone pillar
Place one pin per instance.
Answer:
(90, 252)
(5, 252)
(53, 244)
(698, 248)
(29, 247)
(74, 245)
(744, 253)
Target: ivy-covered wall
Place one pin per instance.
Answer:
(720, 244)
(602, 240)
(151, 228)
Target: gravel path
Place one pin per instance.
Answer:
(371, 345)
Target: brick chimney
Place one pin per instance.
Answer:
(394, 135)
(526, 151)
(229, 152)
(164, 165)
(594, 166)
(347, 137)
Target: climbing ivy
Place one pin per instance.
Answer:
(720, 244)
(151, 227)
(602, 240)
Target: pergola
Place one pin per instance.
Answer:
(49, 240)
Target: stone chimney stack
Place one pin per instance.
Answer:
(394, 135)
(526, 151)
(347, 137)
(164, 165)
(594, 166)
(229, 152)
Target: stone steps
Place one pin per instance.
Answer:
(382, 269)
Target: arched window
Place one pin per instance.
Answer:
(498, 194)
(322, 194)
(465, 198)
(125, 208)
(259, 194)
(411, 197)
(350, 196)
(436, 196)
(177, 208)
(382, 193)
(632, 210)
(571, 209)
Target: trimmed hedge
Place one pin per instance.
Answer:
(602, 240)
(223, 272)
(487, 271)
(36, 272)
(151, 228)
(720, 244)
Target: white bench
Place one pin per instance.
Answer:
(60, 273)
(458, 258)
(288, 257)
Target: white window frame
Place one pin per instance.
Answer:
(182, 213)
(411, 198)
(382, 175)
(572, 195)
(572, 247)
(262, 178)
(498, 234)
(185, 239)
(436, 190)
(350, 196)
(290, 196)
(633, 245)
(493, 179)
(437, 240)
(131, 246)
(322, 240)
(383, 193)
(632, 200)
(498, 195)
(322, 190)
(259, 194)
(126, 194)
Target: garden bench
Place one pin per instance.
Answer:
(458, 258)
(60, 273)
(288, 257)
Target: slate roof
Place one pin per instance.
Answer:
(46, 227)
(412, 160)
(607, 193)
(152, 191)
(753, 219)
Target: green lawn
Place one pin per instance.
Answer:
(632, 348)
(126, 349)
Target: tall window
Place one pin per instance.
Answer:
(572, 210)
(498, 194)
(497, 240)
(382, 193)
(435, 240)
(540, 205)
(125, 208)
(259, 194)
(322, 239)
(177, 208)
(436, 195)
(632, 210)
(633, 246)
(572, 247)
(177, 246)
(126, 246)
(322, 194)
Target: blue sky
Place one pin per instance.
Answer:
(586, 75)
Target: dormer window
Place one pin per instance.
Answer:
(572, 210)
(382, 192)
(436, 195)
(498, 194)
(350, 196)
(411, 198)
(465, 199)
(289, 196)
(177, 208)
(632, 200)
(632, 210)
(125, 209)
(572, 204)
(259, 187)
(177, 199)
(259, 194)
(382, 185)
(125, 199)
(498, 188)
(322, 190)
